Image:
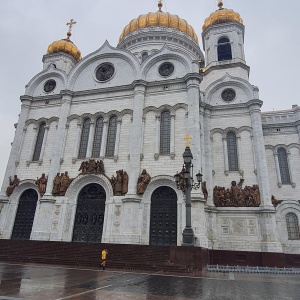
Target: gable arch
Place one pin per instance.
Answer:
(105, 52)
(50, 73)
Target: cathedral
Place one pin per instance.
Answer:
(99, 139)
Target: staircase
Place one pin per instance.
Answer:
(120, 256)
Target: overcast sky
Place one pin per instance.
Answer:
(27, 27)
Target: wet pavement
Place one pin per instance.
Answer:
(38, 282)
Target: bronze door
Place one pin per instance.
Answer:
(25, 215)
(89, 218)
(163, 218)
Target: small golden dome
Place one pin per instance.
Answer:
(66, 46)
(159, 19)
(222, 15)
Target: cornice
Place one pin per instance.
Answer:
(227, 66)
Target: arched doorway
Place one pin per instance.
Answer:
(89, 218)
(25, 215)
(163, 217)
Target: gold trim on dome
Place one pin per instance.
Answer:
(159, 19)
(65, 46)
(222, 15)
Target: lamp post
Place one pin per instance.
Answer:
(185, 182)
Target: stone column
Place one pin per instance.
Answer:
(65, 138)
(16, 145)
(266, 216)
(21, 147)
(118, 134)
(77, 142)
(44, 144)
(225, 153)
(136, 137)
(207, 170)
(157, 137)
(60, 140)
(239, 150)
(260, 153)
(104, 139)
(172, 137)
(193, 80)
(90, 140)
(279, 183)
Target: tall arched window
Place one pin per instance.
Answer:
(283, 166)
(97, 137)
(233, 162)
(39, 142)
(292, 226)
(165, 133)
(111, 137)
(224, 49)
(84, 138)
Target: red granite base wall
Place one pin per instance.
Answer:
(260, 259)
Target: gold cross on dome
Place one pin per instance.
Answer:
(187, 139)
(70, 24)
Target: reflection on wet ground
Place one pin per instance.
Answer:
(39, 282)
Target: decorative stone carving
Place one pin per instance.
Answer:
(42, 184)
(61, 183)
(204, 190)
(143, 182)
(275, 202)
(92, 167)
(120, 183)
(237, 196)
(12, 184)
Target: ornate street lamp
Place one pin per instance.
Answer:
(185, 182)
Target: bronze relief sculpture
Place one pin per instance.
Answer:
(12, 184)
(92, 167)
(143, 182)
(120, 183)
(236, 196)
(42, 184)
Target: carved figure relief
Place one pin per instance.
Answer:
(12, 184)
(92, 167)
(42, 184)
(275, 202)
(64, 183)
(236, 196)
(120, 183)
(204, 190)
(143, 182)
(56, 185)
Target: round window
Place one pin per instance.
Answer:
(49, 86)
(166, 69)
(228, 95)
(105, 72)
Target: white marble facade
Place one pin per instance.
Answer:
(137, 95)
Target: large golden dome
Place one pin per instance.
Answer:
(66, 46)
(159, 19)
(222, 15)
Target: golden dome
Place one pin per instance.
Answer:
(159, 19)
(222, 15)
(66, 46)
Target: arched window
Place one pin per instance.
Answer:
(283, 166)
(84, 138)
(165, 132)
(224, 49)
(233, 162)
(292, 226)
(111, 137)
(97, 137)
(39, 142)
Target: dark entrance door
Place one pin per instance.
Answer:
(25, 215)
(163, 219)
(89, 216)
